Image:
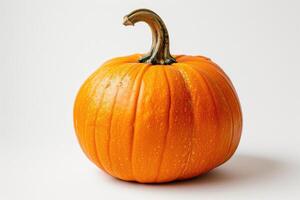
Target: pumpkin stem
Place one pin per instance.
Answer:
(160, 52)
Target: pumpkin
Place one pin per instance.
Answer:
(156, 117)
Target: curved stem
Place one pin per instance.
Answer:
(159, 52)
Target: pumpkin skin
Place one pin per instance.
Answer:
(158, 123)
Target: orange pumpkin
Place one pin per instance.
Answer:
(157, 118)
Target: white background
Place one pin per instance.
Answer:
(48, 48)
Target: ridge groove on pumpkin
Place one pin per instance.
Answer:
(231, 111)
(119, 65)
(94, 135)
(78, 109)
(217, 70)
(196, 125)
(122, 162)
(181, 174)
(166, 134)
(230, 86)
(139, 79)
(88, 102)
(196, 71)
(97, 111)
(206, 75)
(231, 120)
(130, 68)
(92, 78)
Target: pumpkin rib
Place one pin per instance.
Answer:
(212, 94)
(135, 112)
(212, 97)
(98, 73)
(106, 73)
(98, 162)
(225, 78)
(231, 114)
(131, 69)
(201, 132)
(183, 171)
(96, 114)
(83, 134)
(77, 108)
(121, 123)
(225, 100)
(237, 104)
(114, 69)
(167, 133)
(186, 69)
(111, 116)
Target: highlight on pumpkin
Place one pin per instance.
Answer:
(157, 117)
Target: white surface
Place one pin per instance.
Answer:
(48, 48)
